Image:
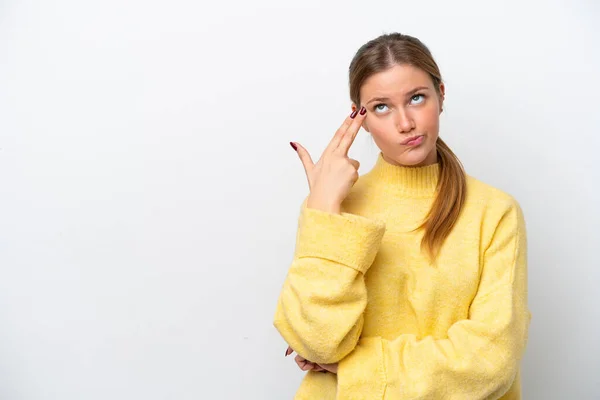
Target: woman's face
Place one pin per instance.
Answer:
(403, 104)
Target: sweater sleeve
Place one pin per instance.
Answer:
(479, 358)
(320, 308)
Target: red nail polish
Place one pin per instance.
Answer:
(294, 146)
(353, 114)
(363, 110)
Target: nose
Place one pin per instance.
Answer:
(404, 121)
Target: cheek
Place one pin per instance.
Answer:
(429, 121)
(380, 127)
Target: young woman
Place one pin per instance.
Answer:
(410, 281)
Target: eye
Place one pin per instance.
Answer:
(376, 107)
(416, 96)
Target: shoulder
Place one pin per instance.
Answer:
(495, 206)
(487, 195)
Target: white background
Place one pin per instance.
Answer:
(149, 195)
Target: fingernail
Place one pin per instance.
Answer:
(288, 351)
(353, 114)
(294, 146)
(363, 110)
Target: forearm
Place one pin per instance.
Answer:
(320, 310)
(322, 301)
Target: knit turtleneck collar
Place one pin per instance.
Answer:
(411, 181)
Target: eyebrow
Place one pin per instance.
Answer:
(408, 94)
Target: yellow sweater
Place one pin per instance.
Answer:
(360, 292)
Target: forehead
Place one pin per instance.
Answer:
(397, 80)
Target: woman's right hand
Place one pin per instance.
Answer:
(332, 177)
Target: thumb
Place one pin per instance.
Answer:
(305, 157)
(356, 163)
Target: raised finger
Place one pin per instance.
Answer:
(351, 132)
(305, 157)
(335, 141)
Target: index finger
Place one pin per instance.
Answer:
(352, 131)
(339, 134)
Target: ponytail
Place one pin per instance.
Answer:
(449, 201)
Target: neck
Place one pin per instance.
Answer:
(417, 181)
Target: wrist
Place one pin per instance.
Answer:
(323, 206)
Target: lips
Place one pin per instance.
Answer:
(407, 141)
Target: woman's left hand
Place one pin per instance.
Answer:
(333, 368)
(306, 365)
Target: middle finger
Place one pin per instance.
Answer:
(351, 132)
(339, 134)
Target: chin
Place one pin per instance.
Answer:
(412, 158)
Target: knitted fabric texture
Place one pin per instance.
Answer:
(361, 293)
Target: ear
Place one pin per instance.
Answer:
(442, 96)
